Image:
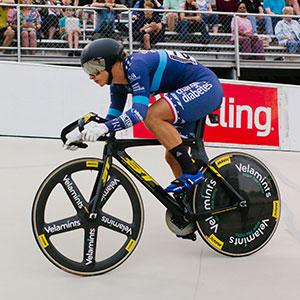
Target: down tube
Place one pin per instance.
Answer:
(148, 181)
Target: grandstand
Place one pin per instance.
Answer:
(219, 53)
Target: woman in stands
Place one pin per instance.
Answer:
(191, 21)
(30, 21)
(248, 42)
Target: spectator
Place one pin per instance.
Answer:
(295, 5)
(274, 7)
(287, 31)
(192, 22)
(70, 30)
(208, 17)
(30, 21)
(6, 31)
(248, 42)
(226, 6)
(172, 17)
(105, 18)
(84, 14)
(50, 22)
(148, 27)
(255, 7)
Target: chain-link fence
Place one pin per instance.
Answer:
(57, 34)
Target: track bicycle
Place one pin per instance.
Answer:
(235, 209)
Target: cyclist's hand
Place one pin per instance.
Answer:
(92, 131)
(73, 137)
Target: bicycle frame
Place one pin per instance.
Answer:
(115, 148)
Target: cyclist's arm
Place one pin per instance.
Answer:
(118, 95)
(139, 81)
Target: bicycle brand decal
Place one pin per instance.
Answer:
(61, 227)
(91, 247)
(209, 201)
(130, 245)
(276, 209)
(92, 164)
(138, 169)
(215, 241)
(116, 224)
(75, 195)
(105, 172)
(244, 238)
(110, 187)
(223, 161)
(43, 240)
(213, 224)
(247, 170)
(215, 171)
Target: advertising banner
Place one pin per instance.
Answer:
(248, 115)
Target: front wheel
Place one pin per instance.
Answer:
(61, 224)
(245, 230)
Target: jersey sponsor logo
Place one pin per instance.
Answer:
(132, 77)
(193, 91)
(137, 88)
(126, 120)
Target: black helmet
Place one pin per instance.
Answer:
(100, 55)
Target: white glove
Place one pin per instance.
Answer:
(73, 136)
(93, 130)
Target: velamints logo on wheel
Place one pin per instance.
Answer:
(248, 116)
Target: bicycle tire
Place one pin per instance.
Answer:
(243, 231)
(61, 182)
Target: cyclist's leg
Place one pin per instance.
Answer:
(159, 118)
(184, 107)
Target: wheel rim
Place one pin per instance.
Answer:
(47, 231)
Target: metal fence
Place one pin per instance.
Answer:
(57, 34)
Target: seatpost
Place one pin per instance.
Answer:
(198, 150)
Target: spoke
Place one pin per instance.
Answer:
(64, 225)
(90, 244)
(115, 224)
(74, 194)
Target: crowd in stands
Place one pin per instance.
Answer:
(155, 19)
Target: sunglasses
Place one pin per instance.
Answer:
(94, 66)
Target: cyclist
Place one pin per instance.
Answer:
(184, 91)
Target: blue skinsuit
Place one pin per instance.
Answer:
(191, 90)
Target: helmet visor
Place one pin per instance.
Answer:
(94, 66)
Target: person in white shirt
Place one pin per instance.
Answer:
(287, 31)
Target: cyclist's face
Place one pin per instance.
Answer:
(100, 78)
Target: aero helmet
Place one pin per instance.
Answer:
(101, 54)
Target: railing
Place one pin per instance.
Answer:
(211, 41)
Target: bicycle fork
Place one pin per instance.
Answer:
(99, 186)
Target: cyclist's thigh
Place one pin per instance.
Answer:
(194, 101)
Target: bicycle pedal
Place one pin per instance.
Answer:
(191, 236)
